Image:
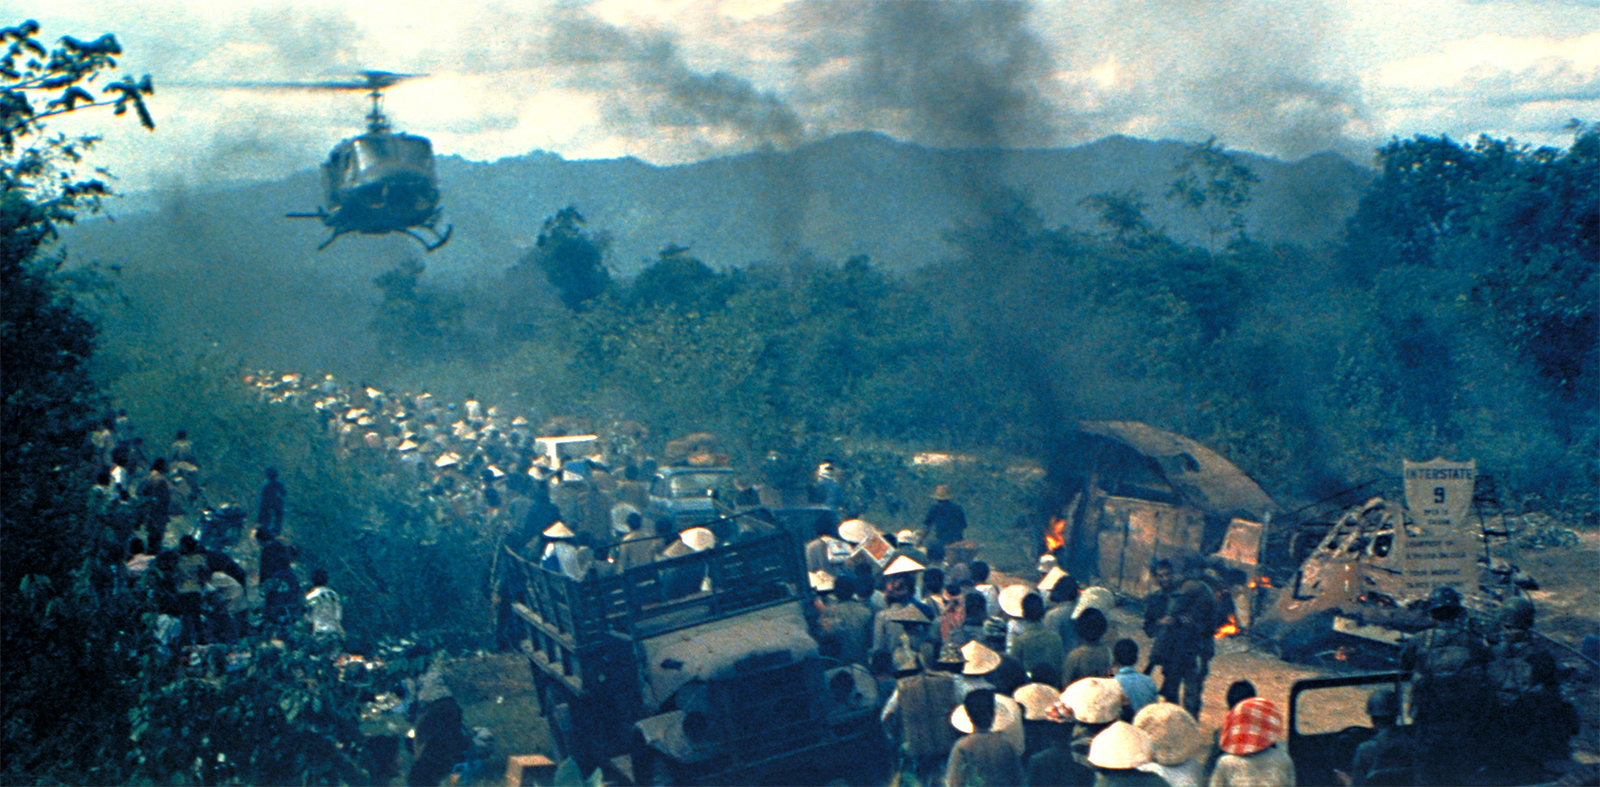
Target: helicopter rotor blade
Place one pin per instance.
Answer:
(371, 80)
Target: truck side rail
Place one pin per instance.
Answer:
(570, 619)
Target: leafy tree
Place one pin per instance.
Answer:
(571, 259)
(1217, 187)
(679, 279)
(413, 322)
(1122, 213)
(70, 642)
(288, 715)
(1515, 230)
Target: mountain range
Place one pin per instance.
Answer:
(225, 259)
(854, 194)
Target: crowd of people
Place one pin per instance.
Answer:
(162, 534)
(1025, 683)
(1030, 683)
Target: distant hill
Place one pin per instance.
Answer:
(223, 252)
(860, 193)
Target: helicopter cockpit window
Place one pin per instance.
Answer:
(372, 151)
(1383, 544)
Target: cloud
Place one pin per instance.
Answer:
(682, 80)
(1526, 87)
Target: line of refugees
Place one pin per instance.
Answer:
(475, 468)
(478, 474)
(201, 592)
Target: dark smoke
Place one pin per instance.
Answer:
(654, 87)
(962, 74)
(656, 90)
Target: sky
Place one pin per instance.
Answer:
(685, 80)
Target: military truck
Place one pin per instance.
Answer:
(696, 669)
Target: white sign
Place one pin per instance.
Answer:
(1439, 493)
(1439, 551)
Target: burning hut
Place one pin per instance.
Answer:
(1129, 493)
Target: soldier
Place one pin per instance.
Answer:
(1509, 671)
(1389, 757)
(1449, 682)
(1536, 718)
(1179, 618)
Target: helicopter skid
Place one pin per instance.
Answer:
(441, 239)
(328, 219)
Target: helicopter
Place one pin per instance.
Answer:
(381, 181)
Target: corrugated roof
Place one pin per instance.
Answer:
(1204, 478)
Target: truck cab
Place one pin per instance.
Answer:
(690, 496)
(716, 680)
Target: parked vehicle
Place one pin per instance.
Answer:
(691, 496)
(696, 669)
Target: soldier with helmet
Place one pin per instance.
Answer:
(1509, 671)
(1536, 719)
(1449, 690)
(1388, 757)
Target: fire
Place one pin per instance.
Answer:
(1055, 536)
(1228, 629)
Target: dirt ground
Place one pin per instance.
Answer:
(496, 692)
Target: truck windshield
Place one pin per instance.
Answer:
(700, 485)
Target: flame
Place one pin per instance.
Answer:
(1055, 535)
(1266, 581)
(1228, 629)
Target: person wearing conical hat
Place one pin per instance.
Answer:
(1251, 755)
(559, 553)
(1177, 745)
(899, 591)
(1118, 753)
(1036, 700)
(1090, 705)
(905, 545)
(1061, 602)
(1054, 762)
(986, 755)
(979, 661)
(916, 718)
